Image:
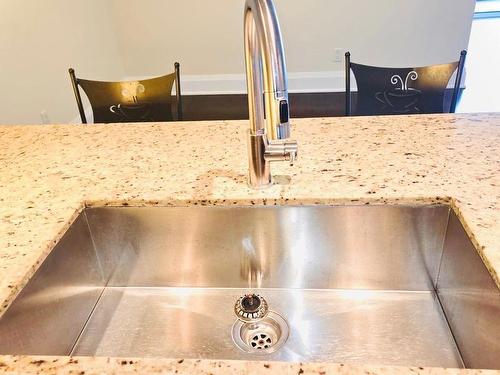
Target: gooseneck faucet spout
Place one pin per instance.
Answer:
(267, 92)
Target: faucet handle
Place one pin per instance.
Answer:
(291, 151)
(281, 150)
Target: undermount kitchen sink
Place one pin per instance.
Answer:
(388, 285)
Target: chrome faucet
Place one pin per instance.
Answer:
(267, 93)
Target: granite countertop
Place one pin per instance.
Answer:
(49, 173)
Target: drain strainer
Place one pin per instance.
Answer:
(261, 341)
(251, 307)
(262, 337)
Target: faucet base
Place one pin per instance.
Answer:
(260, 187)
(259, 176)
(261, 152)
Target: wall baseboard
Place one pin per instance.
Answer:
(232, 84)
(298, 83)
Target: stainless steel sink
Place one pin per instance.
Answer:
(390, 285)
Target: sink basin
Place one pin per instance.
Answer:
(388, 285)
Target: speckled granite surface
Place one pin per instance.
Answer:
(49, 173)
(90, 366)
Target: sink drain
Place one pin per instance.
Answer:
(262, 337)
(261, 341)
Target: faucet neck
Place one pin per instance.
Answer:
(266, 71)
(267, 93)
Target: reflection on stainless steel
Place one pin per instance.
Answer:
(377, 327)
(297, 247)
(471, 299)
(49, 313)
(357, 284)
(266, 76)
(251, 263)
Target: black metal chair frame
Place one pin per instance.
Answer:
(76, 89)
(456, 88)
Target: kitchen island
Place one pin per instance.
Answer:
(49, 174)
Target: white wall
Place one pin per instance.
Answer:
(112, 39)
(206, 36)
(381, 32)
(39, 41)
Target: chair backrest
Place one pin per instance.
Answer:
(388, 91)
(130, 101)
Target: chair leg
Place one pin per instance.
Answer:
(74, 83)
(458, 81)
(348, 103)
(178, 90)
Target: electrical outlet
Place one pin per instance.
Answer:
(338, 55)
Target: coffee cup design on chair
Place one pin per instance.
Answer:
(132, 111)
(131, 108)
(403, 99)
